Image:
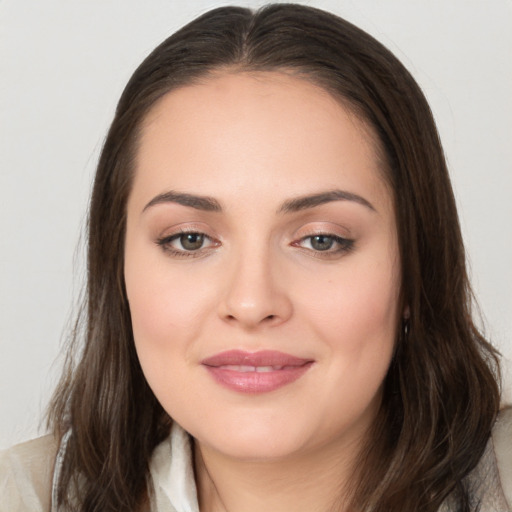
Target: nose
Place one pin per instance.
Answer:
(255, 292)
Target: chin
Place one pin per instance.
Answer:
(254, 448)
(248, 436)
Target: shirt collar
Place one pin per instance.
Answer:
(172, 472)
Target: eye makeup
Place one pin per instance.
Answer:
(187, 243)
(325, 244)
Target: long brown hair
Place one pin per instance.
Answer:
(441, 394)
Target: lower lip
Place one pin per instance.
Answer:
(257, 382)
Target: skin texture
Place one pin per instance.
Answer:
(252, 142)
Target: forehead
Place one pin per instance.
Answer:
(255, 130)
(232, 97)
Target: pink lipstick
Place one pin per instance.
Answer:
(255, 372)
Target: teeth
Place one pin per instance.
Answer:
(247, 369)
(262, 369)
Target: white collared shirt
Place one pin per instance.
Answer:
(27, 472)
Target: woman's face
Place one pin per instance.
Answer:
(262, 266)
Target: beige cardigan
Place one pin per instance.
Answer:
(27, 471)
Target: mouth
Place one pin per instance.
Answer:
(256, 372)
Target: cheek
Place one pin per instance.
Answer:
(165, 308)
(355, 314)
(166, 317)
(162, 302)
(357, 322)
(361, 299)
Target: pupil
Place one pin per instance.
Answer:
(192, 241)
(321, 242)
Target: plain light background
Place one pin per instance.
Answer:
(63, 66)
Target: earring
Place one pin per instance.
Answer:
(405, 321)
(406, 328)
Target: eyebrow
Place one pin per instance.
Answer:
(210, 204)
(205, 203)
(310, 201)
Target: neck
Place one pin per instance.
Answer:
(309, 482)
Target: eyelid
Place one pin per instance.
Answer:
(344, 243)
(323, 228)
(170, 235)
(184, 228)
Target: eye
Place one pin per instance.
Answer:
(325, 243)
(321, 242)
(191, 241)
(186, 243)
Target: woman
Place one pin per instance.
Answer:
(276, 289)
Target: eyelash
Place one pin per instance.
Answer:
(344, 245)
(165, 244)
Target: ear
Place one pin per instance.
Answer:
(407, 313)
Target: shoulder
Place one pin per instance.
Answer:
(490, 482)
(26, 472)
(502, 444)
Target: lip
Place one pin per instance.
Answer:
(255, 372)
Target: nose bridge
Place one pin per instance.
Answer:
(253, 292)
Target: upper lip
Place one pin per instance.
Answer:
(260, 358)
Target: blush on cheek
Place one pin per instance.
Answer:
(157, 300)
(375, 296)
(361, 306)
